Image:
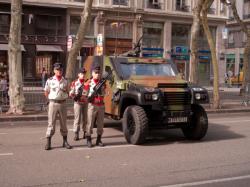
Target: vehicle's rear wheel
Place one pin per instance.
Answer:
(135, 125)
(198, 126)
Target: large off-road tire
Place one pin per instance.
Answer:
(135, 125)
(198, 126)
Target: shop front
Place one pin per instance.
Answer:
(204, 68)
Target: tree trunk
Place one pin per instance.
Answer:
(77, 45)
(15, 59)
(246, 73)
(216, 98)
(193, 76)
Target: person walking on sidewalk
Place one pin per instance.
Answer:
(56, 90)
(79, 94)
(96, 108)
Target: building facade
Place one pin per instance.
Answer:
(164, 24)
(236, 39)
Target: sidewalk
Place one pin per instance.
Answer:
(38, 115)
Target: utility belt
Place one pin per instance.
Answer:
(57, 101)
(98, 101)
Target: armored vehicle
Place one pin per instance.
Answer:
(148, 93)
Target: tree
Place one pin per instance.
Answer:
(85, 16)
(205, 7)
(194, 42)
(14, 60)
(243, 25)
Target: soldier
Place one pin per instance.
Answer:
(79, 94)
(95, 109)
(56, 90)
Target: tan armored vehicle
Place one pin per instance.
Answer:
(147, 93)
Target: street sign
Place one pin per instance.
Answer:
(69, 42)
(99, 40)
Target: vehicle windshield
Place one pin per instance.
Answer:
(142, 69)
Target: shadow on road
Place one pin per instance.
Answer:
(216, 132)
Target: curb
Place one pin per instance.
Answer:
(71, 116)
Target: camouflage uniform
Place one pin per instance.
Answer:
(96, 111)
(80, 107)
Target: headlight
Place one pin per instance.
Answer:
(198, 96)
(151, 96)
(155, 97)
(198, 89)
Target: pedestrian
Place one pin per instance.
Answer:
(79, 94)
(44, 77)
(56, 90)
(230, 76)
(4, 89)
(96, 108)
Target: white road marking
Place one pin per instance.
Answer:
(209, 181)
(231, 121)
(6, 154)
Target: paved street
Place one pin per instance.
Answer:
(167, 159)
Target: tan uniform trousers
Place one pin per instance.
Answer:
(95, 115)
(80, 116)
(61, 110)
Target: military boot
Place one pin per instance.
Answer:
(76, 138)
(89, 143)
(48, 144)
(84, 135)
(99, 141)
(65, 143)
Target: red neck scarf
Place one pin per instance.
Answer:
(59, 77)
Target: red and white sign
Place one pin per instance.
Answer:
(69, 42)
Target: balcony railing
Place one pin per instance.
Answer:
(246, 16)
(37, 39)
(183, 8)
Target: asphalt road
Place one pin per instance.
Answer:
(222, 158)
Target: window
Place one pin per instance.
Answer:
(120, 2)
(117, 29)
(246, 10)
(181, 5)
(154, 4)
(212, 9)
(51, 25)
(4, 23)
(231, 38)
(153, 35)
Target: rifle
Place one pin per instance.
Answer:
(79, 92)
(98, 86)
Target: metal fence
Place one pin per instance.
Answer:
(35, 99)
(33, 94)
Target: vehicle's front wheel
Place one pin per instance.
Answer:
(135, 125)
(198, 126)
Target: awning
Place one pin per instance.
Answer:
(5, 47)
(49, 48)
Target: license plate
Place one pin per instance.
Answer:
(178, 120)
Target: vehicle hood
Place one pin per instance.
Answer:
(153, 81)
